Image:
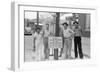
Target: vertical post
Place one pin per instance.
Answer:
(57, 34)
(37, 18)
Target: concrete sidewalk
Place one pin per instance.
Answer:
(30, 55)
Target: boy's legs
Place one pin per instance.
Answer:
(64, 49)
(80, 47)
(69, 48)
(46, 48)
(75, 47)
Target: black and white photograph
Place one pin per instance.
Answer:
(53, 36)
(56, 36)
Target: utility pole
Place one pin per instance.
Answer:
(37, 18)
(57, 34)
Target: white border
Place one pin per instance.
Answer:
(19, 63)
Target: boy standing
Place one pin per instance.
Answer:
(67, 36)
(77, 41)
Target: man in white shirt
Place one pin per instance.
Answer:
(38, 45)
(67, 36)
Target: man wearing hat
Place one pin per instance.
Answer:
(77, 41)
(67, 37)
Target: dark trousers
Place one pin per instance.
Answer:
(78, 47)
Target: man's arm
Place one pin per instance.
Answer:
(72, 33)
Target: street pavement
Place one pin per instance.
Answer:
(30, 54)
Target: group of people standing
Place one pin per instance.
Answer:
(40, 41)
(68, 34)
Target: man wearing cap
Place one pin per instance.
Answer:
(77, 41)
(67, 37)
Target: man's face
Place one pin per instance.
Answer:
(38, 30)
(76, 26)
(65, 26)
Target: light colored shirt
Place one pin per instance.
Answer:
(78, 31)
(38, 36)
(46, 33)
(67, 33)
